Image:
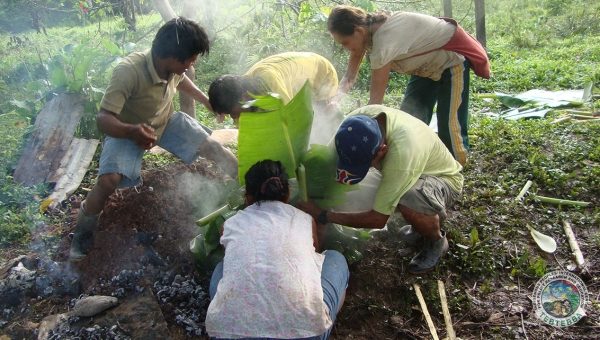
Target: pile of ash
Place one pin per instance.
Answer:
(187, 300)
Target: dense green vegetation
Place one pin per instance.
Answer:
(551, 45)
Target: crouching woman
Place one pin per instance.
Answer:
(273, 283)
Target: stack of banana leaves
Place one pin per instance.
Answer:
(281, 132)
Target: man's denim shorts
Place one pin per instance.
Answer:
(182, 137)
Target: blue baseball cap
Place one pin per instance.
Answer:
(357, 142)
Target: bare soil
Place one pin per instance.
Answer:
(380, 303)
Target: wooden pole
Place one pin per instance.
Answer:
(480, 21)
(573, 244)
(426, 312)
(447, 8)
(446, 311)
(187, 104)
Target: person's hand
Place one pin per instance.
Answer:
(142, 135)
(310, 208)
(332, 108)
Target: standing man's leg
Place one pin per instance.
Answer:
(120, 166)
(420, 97)
(453, 110)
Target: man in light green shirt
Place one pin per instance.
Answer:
(420, 178)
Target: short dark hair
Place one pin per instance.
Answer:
(181, 39)
(225, 92)
(267, 181)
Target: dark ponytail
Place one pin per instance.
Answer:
(267, 181)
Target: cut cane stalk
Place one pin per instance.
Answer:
(559, 201)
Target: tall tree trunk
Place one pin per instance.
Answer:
(186, 104)
(164, 8)
(129, 13)
(209, 8)
(190, 9)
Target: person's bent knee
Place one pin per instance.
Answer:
(335, 256)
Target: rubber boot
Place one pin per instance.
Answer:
(429, 256)
(83, 237)
(407, 236)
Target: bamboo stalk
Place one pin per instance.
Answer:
(485, 95)
(559, 201)
(560, 120)
(208, 218)
(524, 190)
(573, 244)
(584, 117)
(426, 312)
(302, 182)
(585, 113)
(446, 311)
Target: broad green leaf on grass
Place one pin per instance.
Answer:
(546, 98)
(515, 114)
(280, 134)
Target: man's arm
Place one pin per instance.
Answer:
(379, 82)
(190, 89)
(365, 219)
(109, 124)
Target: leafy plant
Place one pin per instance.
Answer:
(524, 265)
(83, 68)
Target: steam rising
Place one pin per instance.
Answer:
(205, 194)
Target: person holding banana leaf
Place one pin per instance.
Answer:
(419, 178)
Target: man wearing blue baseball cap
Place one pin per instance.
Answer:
(419, 177)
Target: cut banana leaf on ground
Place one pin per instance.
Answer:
(515, 114)
(545, 242)
(548, 98)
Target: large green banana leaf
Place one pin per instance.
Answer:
(279, 134)
(282, 133)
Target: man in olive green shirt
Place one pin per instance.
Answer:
(137, 113)
(420, 177)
